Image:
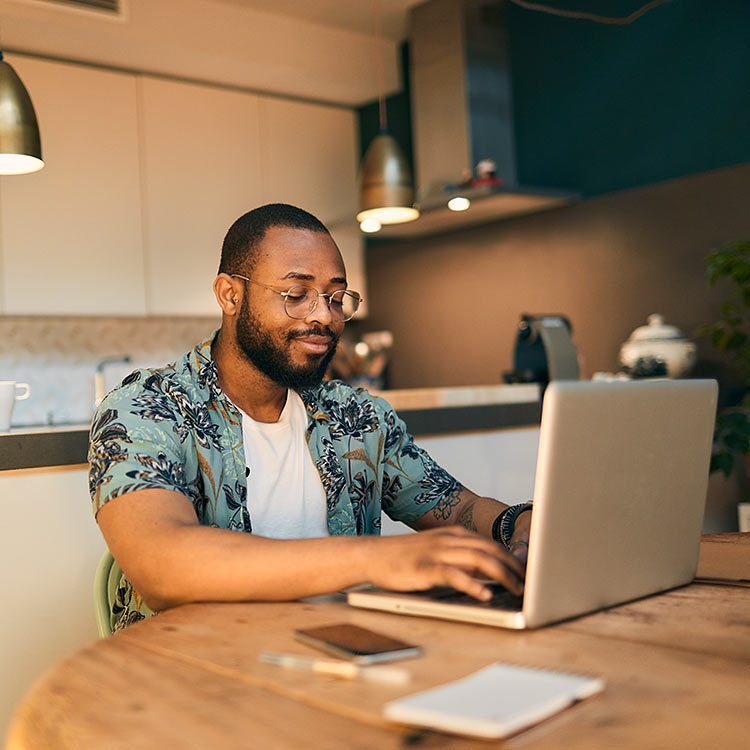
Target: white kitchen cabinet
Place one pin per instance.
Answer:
(309, 157)
(351, 244)
(50, 546)
(201, 164)
(143, 178)
(71, 234)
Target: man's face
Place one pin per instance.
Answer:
(292, 353)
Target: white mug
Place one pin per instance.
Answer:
(8, 397)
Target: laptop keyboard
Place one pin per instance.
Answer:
(501, 597)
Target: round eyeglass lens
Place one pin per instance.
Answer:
(344, 304)
(298, 302)
(301, 300)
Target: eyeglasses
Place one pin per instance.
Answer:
(300, 301)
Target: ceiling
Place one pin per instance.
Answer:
(351, 15)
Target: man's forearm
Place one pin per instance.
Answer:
(170, 559)
(209, 564)
(464, 508)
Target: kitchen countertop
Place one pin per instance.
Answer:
(435, 411)
(426, 411)
(44, 446)
(410, 399)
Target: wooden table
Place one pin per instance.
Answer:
(677, 668)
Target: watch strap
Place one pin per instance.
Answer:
(505, 524)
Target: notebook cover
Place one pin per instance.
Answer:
(494, 702)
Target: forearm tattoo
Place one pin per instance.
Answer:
(444, 509)
(466, 517)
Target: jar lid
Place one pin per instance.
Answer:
(656, 330)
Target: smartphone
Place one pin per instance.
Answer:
(357, 644)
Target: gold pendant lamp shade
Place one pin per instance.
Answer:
(20, 144)
(386, 188)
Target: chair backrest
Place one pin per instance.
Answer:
(106, 580)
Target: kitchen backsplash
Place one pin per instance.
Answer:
(58, 357)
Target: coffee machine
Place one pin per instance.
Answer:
(544, 351)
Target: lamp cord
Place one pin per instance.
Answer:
(382, 113)
(612, 20)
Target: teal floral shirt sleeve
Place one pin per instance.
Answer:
(413, 484)
(369, 462)
(133, 446)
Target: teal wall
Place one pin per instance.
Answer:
(600, 108)
(607, 107)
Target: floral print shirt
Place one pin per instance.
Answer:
(173, 428)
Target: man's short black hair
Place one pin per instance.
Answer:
(243, 237)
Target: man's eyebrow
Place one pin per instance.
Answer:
(300, 276)
(310, 277)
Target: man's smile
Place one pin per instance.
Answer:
(314, 343)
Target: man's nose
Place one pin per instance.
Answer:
(322, 312)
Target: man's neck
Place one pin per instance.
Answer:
(246, 386)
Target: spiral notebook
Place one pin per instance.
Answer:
(494, 702)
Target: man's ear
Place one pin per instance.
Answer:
(228, 294)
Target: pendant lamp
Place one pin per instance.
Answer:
(386, 186)
(20, 144)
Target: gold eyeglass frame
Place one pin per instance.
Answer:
(314, 303)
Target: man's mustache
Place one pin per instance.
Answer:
(325, 331)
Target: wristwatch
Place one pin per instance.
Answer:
(505, 524)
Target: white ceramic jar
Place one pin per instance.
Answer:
(661, 342)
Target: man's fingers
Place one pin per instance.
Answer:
(520, 550)
(448, 531)
(452, 556)
(472, 541)
(487, 566)
(462, 581)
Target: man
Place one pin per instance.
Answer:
(241, 435)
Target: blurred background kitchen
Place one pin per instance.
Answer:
(596, 165)
(110, 249)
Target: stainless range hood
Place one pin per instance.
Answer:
(462, 110)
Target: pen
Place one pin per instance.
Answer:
(345, 669)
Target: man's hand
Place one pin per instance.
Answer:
(448, 556)
(519, 542)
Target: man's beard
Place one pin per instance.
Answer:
(259, 348)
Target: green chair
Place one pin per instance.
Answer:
(106, 581)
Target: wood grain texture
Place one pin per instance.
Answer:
(697, 680)
(702, 619)
(191, 677)
(114, 695)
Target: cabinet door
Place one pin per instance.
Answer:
(71, 234)
(351, 244)
(201, 172)
(309, 158)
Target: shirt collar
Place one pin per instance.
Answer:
(201, 361)
(203, 369)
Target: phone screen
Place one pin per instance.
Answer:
(354, 641)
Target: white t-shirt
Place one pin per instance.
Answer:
(285, 497)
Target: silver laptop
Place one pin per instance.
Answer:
(619, 495)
